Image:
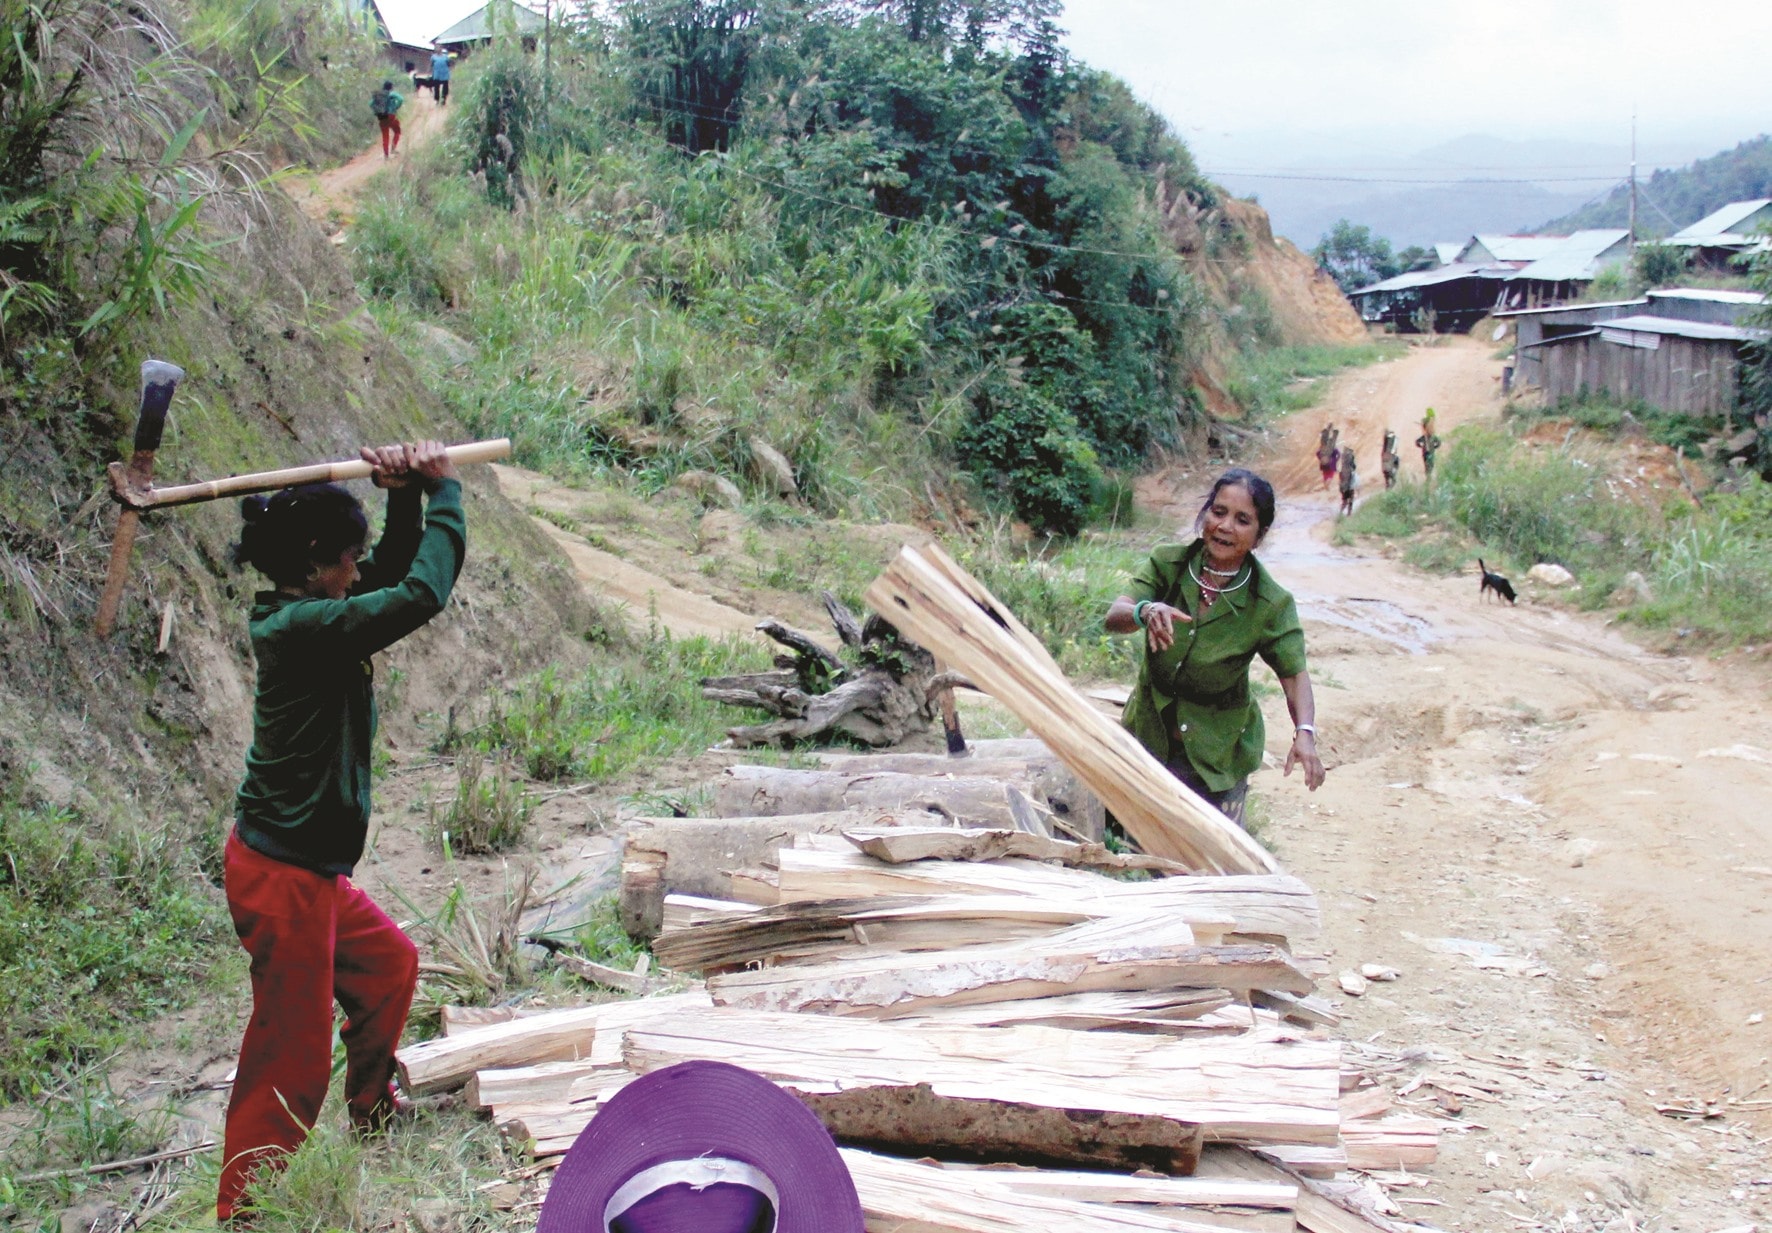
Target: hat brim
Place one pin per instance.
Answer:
(705, 1109)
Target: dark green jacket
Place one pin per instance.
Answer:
(305, 799)
(1200, 685)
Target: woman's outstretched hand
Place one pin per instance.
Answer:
(1159, 625)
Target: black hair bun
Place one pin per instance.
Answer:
(253, 508)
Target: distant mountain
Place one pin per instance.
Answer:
(1436, 212)
(1670, 200)
(1500, 184)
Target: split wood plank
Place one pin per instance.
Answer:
(1166, 819)
(898, 846)
(894, 985)
(1395, 1142)
(684, 911)
(1121, 1100)
(696, 856)
(1262, 905)
(1098, 1187)
(904, 1195)
(458, 1019)
(1176, 1012)
(1316, 1211)
(590, 1032)
(537, 1086)
(825, 928)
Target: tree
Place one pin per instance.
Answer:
(1415, 257)
(1756, 367)
(1657, 265)
(1354, 257)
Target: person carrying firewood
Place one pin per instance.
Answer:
(1206, 610)
(302, 812)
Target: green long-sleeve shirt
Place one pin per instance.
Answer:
(1199, 687)
(305, 798)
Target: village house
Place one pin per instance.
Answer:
(1721, 239)
(1675, 350)
(1487, 273)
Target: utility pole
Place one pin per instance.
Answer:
(547, 63)
(1633, 181)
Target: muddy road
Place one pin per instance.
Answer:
(1562, 840)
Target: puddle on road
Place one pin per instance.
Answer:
(1376, 618)
(1292, 550)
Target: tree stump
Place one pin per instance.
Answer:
(887, 693)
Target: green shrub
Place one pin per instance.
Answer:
(489, 812)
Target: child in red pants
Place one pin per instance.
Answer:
(303, 809)
(386, 103)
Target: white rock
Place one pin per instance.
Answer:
(773, 469)
(1352, 983)
(710, 488)
(1579, 852)
(1377, 971)
(1551, 575)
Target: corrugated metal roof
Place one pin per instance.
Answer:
(1444, 274)
(1577, 258)
(476, 27)
(1446, 253)
(1682, 329)
(1569, 308)
(1709, 293)
(1516, 247)
(1722, 222)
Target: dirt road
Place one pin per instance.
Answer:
(321, 195)
(1561, 840)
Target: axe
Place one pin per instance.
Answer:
(133, 487)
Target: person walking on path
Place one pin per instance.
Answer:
(1328, 453)
(1350, 481)
(1389, 462)
(302, 812)
(440, 76)
(1428, 443)
(386, 103)
(1206, 610)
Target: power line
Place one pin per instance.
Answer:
(1332, 179)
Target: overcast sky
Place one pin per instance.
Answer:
(1262, 84)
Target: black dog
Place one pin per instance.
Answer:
(1502, 588)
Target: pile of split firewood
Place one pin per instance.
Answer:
(1006, 1025)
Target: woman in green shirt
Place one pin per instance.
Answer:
(1206, 610)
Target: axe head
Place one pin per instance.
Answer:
(159, 380)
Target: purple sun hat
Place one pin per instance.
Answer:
(702, 1147)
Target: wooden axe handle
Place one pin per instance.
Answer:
(270, 481)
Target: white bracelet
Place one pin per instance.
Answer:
(1310, 728)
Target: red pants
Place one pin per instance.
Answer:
(389, 125)
(312, 938)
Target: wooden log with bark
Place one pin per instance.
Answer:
(885, 693)
(696, 856)
(1039, 1095)
(933, 601)
(897, 846)
(961, 800)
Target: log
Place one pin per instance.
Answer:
(881, 700)
(1123, 1101)
(921, 843)
(767, 791)
(581, 1032)
(969, 630)
(916, 1197)
(696, 856)
(895, 985)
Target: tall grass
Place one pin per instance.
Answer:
(99, 929)
(1708, 568)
